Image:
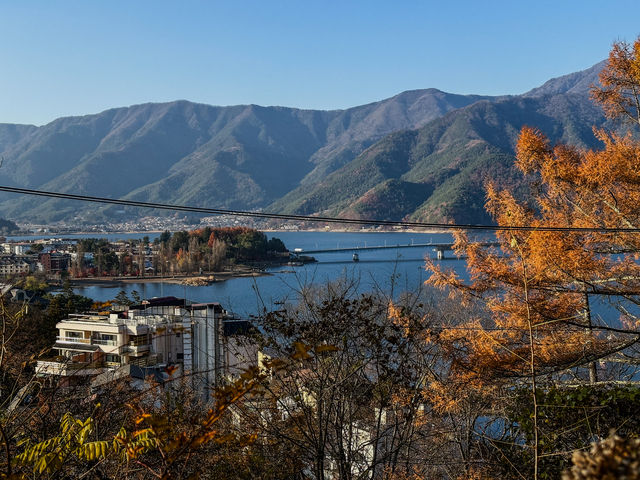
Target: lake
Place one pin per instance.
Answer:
(392, 271)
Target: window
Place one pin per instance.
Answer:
(138, 340)
(106, 336)
(105, 339)
(110, 358)
(74, 337)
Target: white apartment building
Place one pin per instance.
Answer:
(15, 248)
(158, 333)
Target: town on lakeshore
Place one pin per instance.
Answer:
(191, 257)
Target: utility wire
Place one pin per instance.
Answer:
(309, 218)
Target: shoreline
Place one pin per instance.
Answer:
(147, 232)
(203, 279)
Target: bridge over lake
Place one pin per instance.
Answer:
(439, 248)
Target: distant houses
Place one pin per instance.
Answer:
(11, 265)
(54, 262)
(24, 258)
(54, 257)
(21, 265)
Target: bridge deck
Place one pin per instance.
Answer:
(435, 246)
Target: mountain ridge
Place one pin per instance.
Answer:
(255, 157)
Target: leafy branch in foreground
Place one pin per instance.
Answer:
(172, 448)
(72, 443)
(156, 443)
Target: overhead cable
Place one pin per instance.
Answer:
(312, 218)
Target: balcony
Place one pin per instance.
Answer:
(87, 344)
(86, 341)
(137, 345)
(146, 361)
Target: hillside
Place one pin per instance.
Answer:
(438, 172)
(422, 154)
(10, 134)
(575, 83)
(186, 153)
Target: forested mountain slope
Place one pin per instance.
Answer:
(422, 154)
(438, 172)
(181, 152)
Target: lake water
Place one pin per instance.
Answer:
(392, 270)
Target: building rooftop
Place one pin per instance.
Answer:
(202, 306)
(160, 302)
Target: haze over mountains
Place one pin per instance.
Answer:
(420, 155)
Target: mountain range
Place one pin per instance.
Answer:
(420, 155)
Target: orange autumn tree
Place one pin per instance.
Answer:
(619, 92)
(547, 280)
(559, 259)
(541, 285)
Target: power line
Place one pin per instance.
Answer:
(309, 218)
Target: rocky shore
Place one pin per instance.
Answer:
(205, 278)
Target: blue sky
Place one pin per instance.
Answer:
(78, 57)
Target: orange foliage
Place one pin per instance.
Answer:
(227, 234)
(101, 306)
(174, 444)
(537, 284)
(620, 79)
